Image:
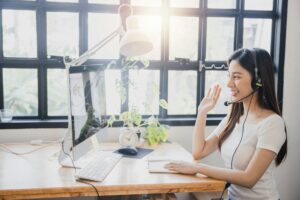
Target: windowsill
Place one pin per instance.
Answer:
(18, 124)
(62, 123)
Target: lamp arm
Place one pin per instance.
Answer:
(86, 55)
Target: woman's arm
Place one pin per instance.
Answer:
(257, 166)
(201, 146)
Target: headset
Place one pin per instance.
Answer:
(256, 82)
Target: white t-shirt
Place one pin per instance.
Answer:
(267, 134)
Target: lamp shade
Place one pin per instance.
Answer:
(134, 42)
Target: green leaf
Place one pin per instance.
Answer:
(125, 116)
(152, 121)
(145, 62)
(111, 120)
(156, 134)
(136, 118)
(155, 89)
(121, 90)
(163, 103)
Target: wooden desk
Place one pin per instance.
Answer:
(38, 175)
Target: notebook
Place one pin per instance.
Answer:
(157, 165)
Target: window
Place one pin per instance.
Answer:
(181, 92)
(57, 92)
(143, 91)
(19, 33)
(62, 34)
(98, 28)
(20, 91)
(183, 36)
(192, 40)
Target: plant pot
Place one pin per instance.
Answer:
(129, 137)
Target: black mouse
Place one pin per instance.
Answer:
(131, 151)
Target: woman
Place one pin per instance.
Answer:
(251, 138)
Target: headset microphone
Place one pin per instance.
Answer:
(227, 103)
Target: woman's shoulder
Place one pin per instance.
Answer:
(271, 117)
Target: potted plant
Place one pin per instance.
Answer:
(150, 129)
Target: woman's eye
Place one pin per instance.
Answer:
(236, 77)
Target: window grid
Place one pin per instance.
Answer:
(164, 65)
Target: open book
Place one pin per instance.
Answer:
(157, 164)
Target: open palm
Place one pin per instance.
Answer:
(210, 99)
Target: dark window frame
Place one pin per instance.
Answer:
(42, 63)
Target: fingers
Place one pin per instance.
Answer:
(172, 164)
(218, 93)
(215, 93)
(181, 167)
(208, 93)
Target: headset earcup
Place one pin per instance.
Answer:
(256, 84)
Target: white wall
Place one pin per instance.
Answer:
(288, 176)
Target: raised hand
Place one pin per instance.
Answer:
(210, 99)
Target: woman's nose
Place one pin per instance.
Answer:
(229, 82)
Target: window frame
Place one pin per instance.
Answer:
(278, 16)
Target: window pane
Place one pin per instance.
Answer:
(62, 34)
(151, 25)
(105, 1)
(258, 4)
(57, 92)
(144, 91)
(19, 33)
(21, 91)
(218, 77)
(64, 0)
(184, 37)
(146, 2)
(112, 89)
(185, 4)
(221, 4)
(182, 92)
(99, 29)
(220, 38)
(257, 33)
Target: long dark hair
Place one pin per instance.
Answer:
(266, 94)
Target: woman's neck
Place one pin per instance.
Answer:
(251, 104)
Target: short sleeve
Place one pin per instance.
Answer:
(271, 134)
(220, 127)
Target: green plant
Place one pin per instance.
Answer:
(152, 131)
(155, 132)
